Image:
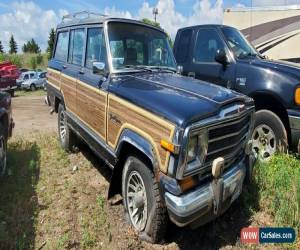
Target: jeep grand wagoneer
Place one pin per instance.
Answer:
(177, 146)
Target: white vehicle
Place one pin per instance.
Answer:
(37, 81)
(25, 76)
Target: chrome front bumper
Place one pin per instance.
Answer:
(200, 202)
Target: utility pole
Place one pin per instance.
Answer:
(155, 13)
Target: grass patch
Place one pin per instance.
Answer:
(279, 183)
(38, 92)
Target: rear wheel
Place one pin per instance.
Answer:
(3, 149)
(142, 201)
(269, 135)
(66, 137)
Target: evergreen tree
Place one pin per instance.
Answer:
(51, 41)
(13, 48)
(1, 48)
(31, 47)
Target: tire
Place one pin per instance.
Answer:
(3, 151)
(66, 137)
(153, 228)
(12, 93)
(32, 87)
(269, 135)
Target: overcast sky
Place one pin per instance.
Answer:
(34, 19)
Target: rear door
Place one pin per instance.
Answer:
(91, 95)
(70, 70)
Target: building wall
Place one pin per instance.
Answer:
(275, 32)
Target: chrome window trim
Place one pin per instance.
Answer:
(214, 121)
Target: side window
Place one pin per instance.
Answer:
(76, 46)
(184, 45)
(61, 51)
(95, 51)
(32, 75)
(207, 43)
(26, 77)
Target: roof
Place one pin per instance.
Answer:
(95, 18)
(206, 26)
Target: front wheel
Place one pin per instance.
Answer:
(269, 135)
(142, 201)
(66, 137)
(32, 87)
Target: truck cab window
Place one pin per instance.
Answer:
(96, 51)
(76, 46)
(61, 51)
(184, 45)
(207, 43)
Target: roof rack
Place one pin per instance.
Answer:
(81, 15)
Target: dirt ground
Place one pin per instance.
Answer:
(31, 115)
(68, 201)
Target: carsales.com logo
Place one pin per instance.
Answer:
(256, 235)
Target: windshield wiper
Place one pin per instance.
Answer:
(138, 67)
(163, 68)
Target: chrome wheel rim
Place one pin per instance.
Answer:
(263, 142)
(137, 201)
(62, 126)
(2, 156)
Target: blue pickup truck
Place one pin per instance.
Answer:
(222, 55)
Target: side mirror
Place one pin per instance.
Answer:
(99, 68)
(221, 57)
(179, 70)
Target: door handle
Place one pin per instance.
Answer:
(64, 66)
(81, 72)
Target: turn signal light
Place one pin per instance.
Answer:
(187, 183)
(297, 96)
(169, 146)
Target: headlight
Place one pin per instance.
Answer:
(192, 149)
(297, 96)
(196, 151)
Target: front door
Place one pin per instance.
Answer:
(91, 97)
(203, 65)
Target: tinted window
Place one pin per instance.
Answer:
(184, 43)
(32, 75)
(207, 44)
(26, 77)
(76, 46)
(95, 47)
(61, 51)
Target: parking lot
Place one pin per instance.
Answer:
(53, 200)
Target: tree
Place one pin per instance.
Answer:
(51, 41)
(31, 47)
(157, 25)
(33, 63)
(1, 48)
(13, 48)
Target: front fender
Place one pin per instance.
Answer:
(137, 141)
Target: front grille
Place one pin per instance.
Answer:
(227, 140)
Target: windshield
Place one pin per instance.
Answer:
(238, 43)
(138, 47)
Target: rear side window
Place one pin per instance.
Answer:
(207, 43)
(76, 46)
(95, 51)
(61, 51)
(184, 43)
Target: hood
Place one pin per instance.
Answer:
(291, 69)
(176, 98)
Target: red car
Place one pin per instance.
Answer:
(8, 75)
